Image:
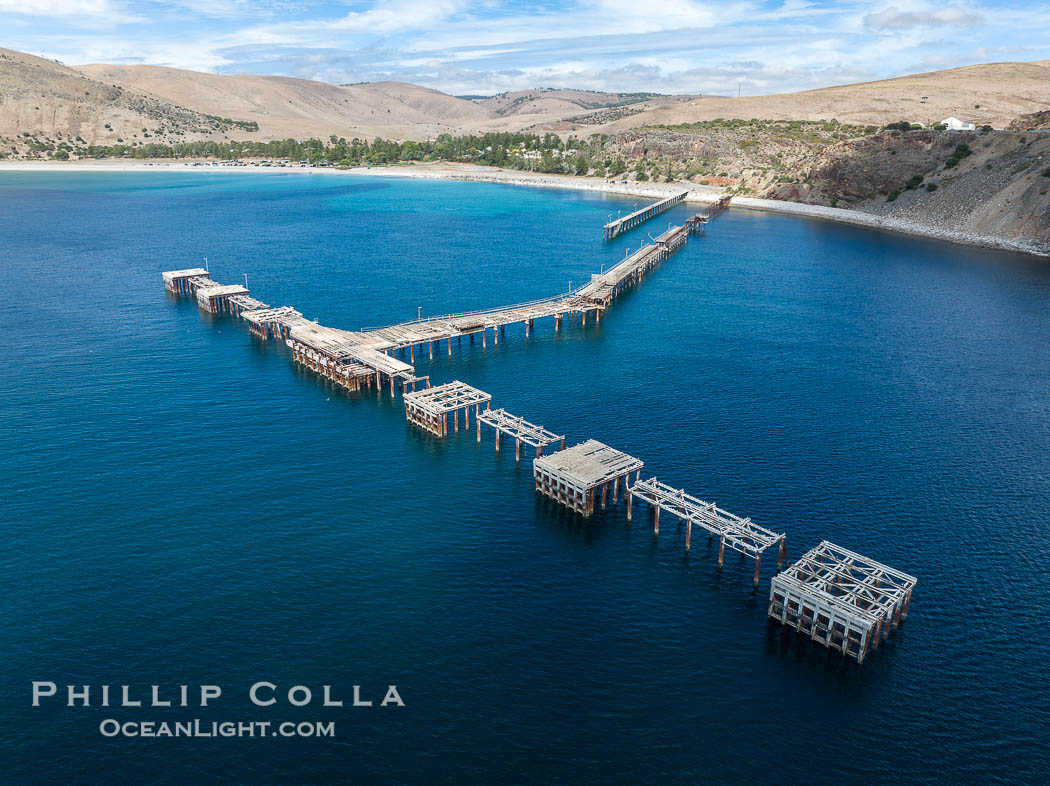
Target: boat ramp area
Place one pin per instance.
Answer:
(840, 599)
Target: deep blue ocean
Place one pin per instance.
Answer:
(180, 504)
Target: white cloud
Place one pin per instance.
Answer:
(101, 10)
(399, 15)
(472, 46)
(894, 19)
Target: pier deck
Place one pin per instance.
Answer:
(216, 298)
(841, 599)
(429, 408)
(740, 534)
(620, 225)
(574, 477)
(520, 430)
(178, 280)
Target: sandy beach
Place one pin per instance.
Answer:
(697, 194)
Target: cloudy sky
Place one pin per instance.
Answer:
(463, 47)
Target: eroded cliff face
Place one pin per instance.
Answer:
(994, 183)
(860, 169)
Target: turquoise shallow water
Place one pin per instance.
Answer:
(181, 505)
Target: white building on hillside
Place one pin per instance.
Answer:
(955, 124)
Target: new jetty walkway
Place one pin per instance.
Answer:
(836, 597)
(614, 228)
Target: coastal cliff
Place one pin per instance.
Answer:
(994, 184)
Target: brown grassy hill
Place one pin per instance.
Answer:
(561, 103)
(994, 94)
(46, 99)
(568, 110)
(297, 108)
(104, 103)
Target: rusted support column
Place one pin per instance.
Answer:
(497, 440)
(781, 555)
(450, 346)
(412, 353)
(616, 489)
(431, 350)
(656, 519)
(605, 490)
(688, 532)
(721, 552)
(483, 339)
(758, 567)
(455, 419)
(539, 451)
(517, 450)
(630, 497)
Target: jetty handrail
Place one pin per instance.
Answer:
(477, 312)
(654, 206)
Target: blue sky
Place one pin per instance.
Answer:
(670, 46)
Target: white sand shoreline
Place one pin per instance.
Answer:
(472, 173)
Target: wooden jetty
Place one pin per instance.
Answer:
(841, 599)
(620, 225)
(339, 355)
(520, 430)
(575, 477)
(697, 225)
(740, 534)
(427, 333)
(429, 408)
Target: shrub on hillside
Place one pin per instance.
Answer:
(961, 152)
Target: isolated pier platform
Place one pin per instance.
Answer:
(841, 599)
(178, 281)
(429, 409)
(576, 477)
